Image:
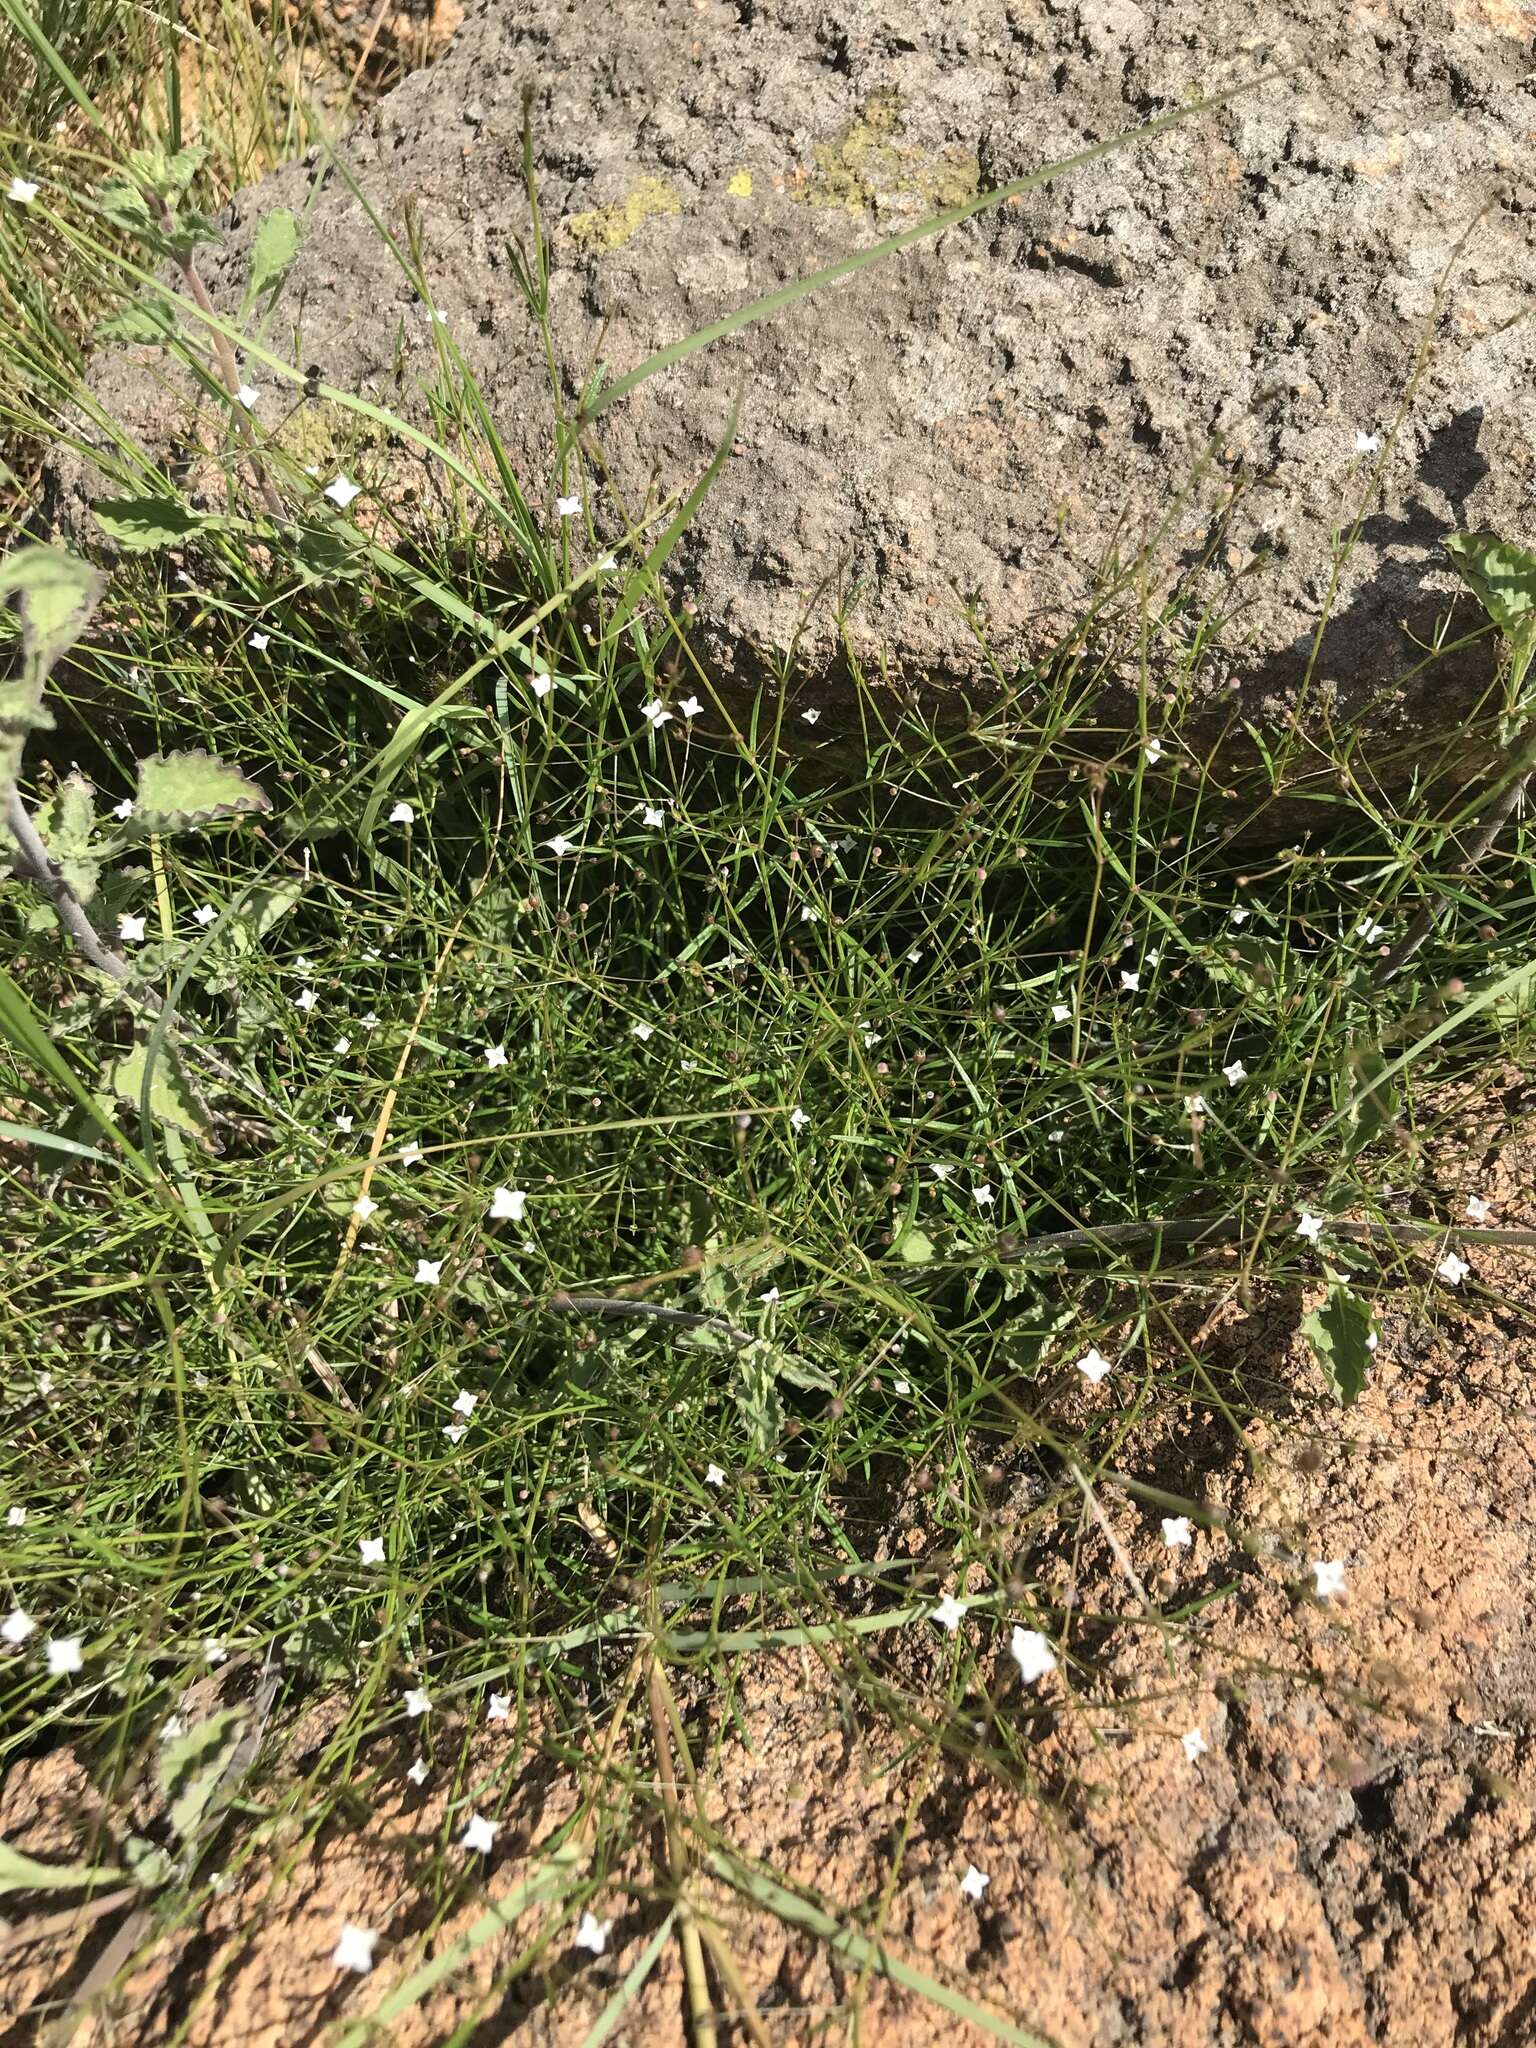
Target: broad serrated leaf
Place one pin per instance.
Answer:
(757, 1395)
(172, 1099)
(148, 321)
(1502, 577)
(178, 791)
(19, 1873)
(192, 1768)
(143, 524)
(1340, 1336)
(272, 253)
(1374, 1105)
(66, 823)
(55, 593)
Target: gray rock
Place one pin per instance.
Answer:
(940, 460)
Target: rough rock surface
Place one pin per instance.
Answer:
(956, 442)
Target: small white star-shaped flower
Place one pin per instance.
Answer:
(1478, 1209)
(465, 1402)
(247, 396)
(642, 1031)
(410, 1155)
(480, 1834)
(455, 1431)
(770, 1295)
(1453, 1270)
(940, 1171)
(500, 1706)
(1195, 1104)
(402, 814)
(214, 1651)
(1234, 1073)
(1327, 1577)
(975, 1882)
(22, 191)
(418, 1772)
(811, 716)
(204, 914)
(354, 1949)
(260, 641)
(417, 1703)
(1129, 978)
(1032, 1653)
(306, 999)
(130, 929)
(428, 1272)
(714, 1476)
(1093, 1365)
(1194, 1743)
(1240, 916)
(1178, 1532)
(1061, 1013)
(1310, 1227)
(567, 508)
(64, 1656)
(370, 1549)
(653, 816)
(364, 1207)
(1366, 444)
(16, 1518)
(981, 1194)
(495, 1056)
(341, 491)
(690, 707)
(124, 810)
(798, 1119)
(656, 712)
(344, 1123)
(560, 846)
(1153, 751)
(901, 1386)
(17, 1626)
(172, 1728)
(45, 1384)
(1370, 931)
(342, 1047)
(508, 1205)
(592, 1933)
(541, 682)
(949, 1613)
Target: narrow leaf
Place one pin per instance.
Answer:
(650, 569)
(20, 1873)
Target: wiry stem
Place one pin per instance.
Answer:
(36, 866)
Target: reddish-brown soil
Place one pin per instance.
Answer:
(1351, 1862)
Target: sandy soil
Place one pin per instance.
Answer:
(1351, 1861)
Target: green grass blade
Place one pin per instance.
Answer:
(650, 569)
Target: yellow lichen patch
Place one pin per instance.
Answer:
(867, 165)
(740, 185)
(610, 227)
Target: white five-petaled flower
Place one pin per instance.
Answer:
(17, 1626)
(204, 914)
(260, 641)
(500, 1706)
(560, 846)
(354, 1949)
(1093, 1365)
(306, 999)
(465, 1402)
(480, 1834)
(1453, 1270)
(1240, 916)
(1327, 1577)
(417, 1703)
(428, 1272)
(22, 190)
(939, 1170)
(1234, 1073)
(714, 1476)
(1310, 1227)
(541, 682)
(508, 1205)
(495, 1056)
(247, 396)
(1194, 1743)
(64, 1655)
(364, 1207)
(592, 1933)
(1478, 1209)
(341, 491)
(975, 1882)
(567, 508)
(1032, 1653)
(1178, 1532)
(370, 1549)
(1366, 444)
(690, 707)
(655, 711)
(402, 814)
(130, 929)
(1129, 978)
(124, 810)
(949, 1613)
(981, 1194)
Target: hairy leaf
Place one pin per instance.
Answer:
(172, 1099)
(1340, 1336)
(66, 823)
(55, 593)
(143, 321)
(143, 524)
(1503, 578)
(194, 1766)
(276, 245)
(178, 791)
(20, 1873)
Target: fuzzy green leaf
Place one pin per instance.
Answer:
(1339, 1334)
(1503, 578)
(144, 321)
(179, 791)
(20, 1873)
(65, 824)
(56, 594)
(272, 254)
(143, 524)
(194, 1766)
(172, 1100)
